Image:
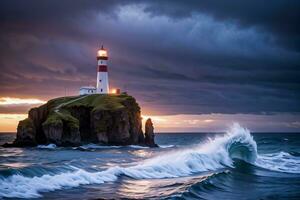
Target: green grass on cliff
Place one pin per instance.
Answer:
(57, 118)
(101, 101)
(59, 107)
(53, 103)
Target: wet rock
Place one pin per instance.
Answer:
(149, 134)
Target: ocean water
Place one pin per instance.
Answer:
(232, 165)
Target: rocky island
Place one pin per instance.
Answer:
(108, 119)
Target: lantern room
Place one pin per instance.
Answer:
(102, 54)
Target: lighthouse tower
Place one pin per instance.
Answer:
(102, 75)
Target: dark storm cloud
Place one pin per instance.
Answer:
(175, 57)
(280, 17)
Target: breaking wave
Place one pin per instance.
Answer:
(215, 154)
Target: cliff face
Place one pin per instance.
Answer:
(71, 121)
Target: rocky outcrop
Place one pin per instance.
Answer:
(72, 121)
(26, 134)
(149, 134)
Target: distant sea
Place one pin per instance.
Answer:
(232, 165)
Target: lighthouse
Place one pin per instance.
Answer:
(102, 74)
(102, 86)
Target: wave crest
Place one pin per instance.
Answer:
(240, 144)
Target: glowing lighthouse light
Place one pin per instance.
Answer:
(102, 53)
(102, 75)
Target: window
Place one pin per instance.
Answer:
(101, 90)
(100, 80)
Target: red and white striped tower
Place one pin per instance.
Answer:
(102, 75)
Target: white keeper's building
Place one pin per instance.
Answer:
(87, 90)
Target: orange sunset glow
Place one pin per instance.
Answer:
(9, 121)
(14, 101)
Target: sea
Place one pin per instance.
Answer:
(236, 164)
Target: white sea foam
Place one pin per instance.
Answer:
(166, 146)
(27, 187)
(97, 146)
(138, 147)
(215, 154)
(282, 162)
(49, 146)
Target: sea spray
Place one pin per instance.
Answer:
(214, 155)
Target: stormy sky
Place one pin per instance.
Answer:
(175, 57)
